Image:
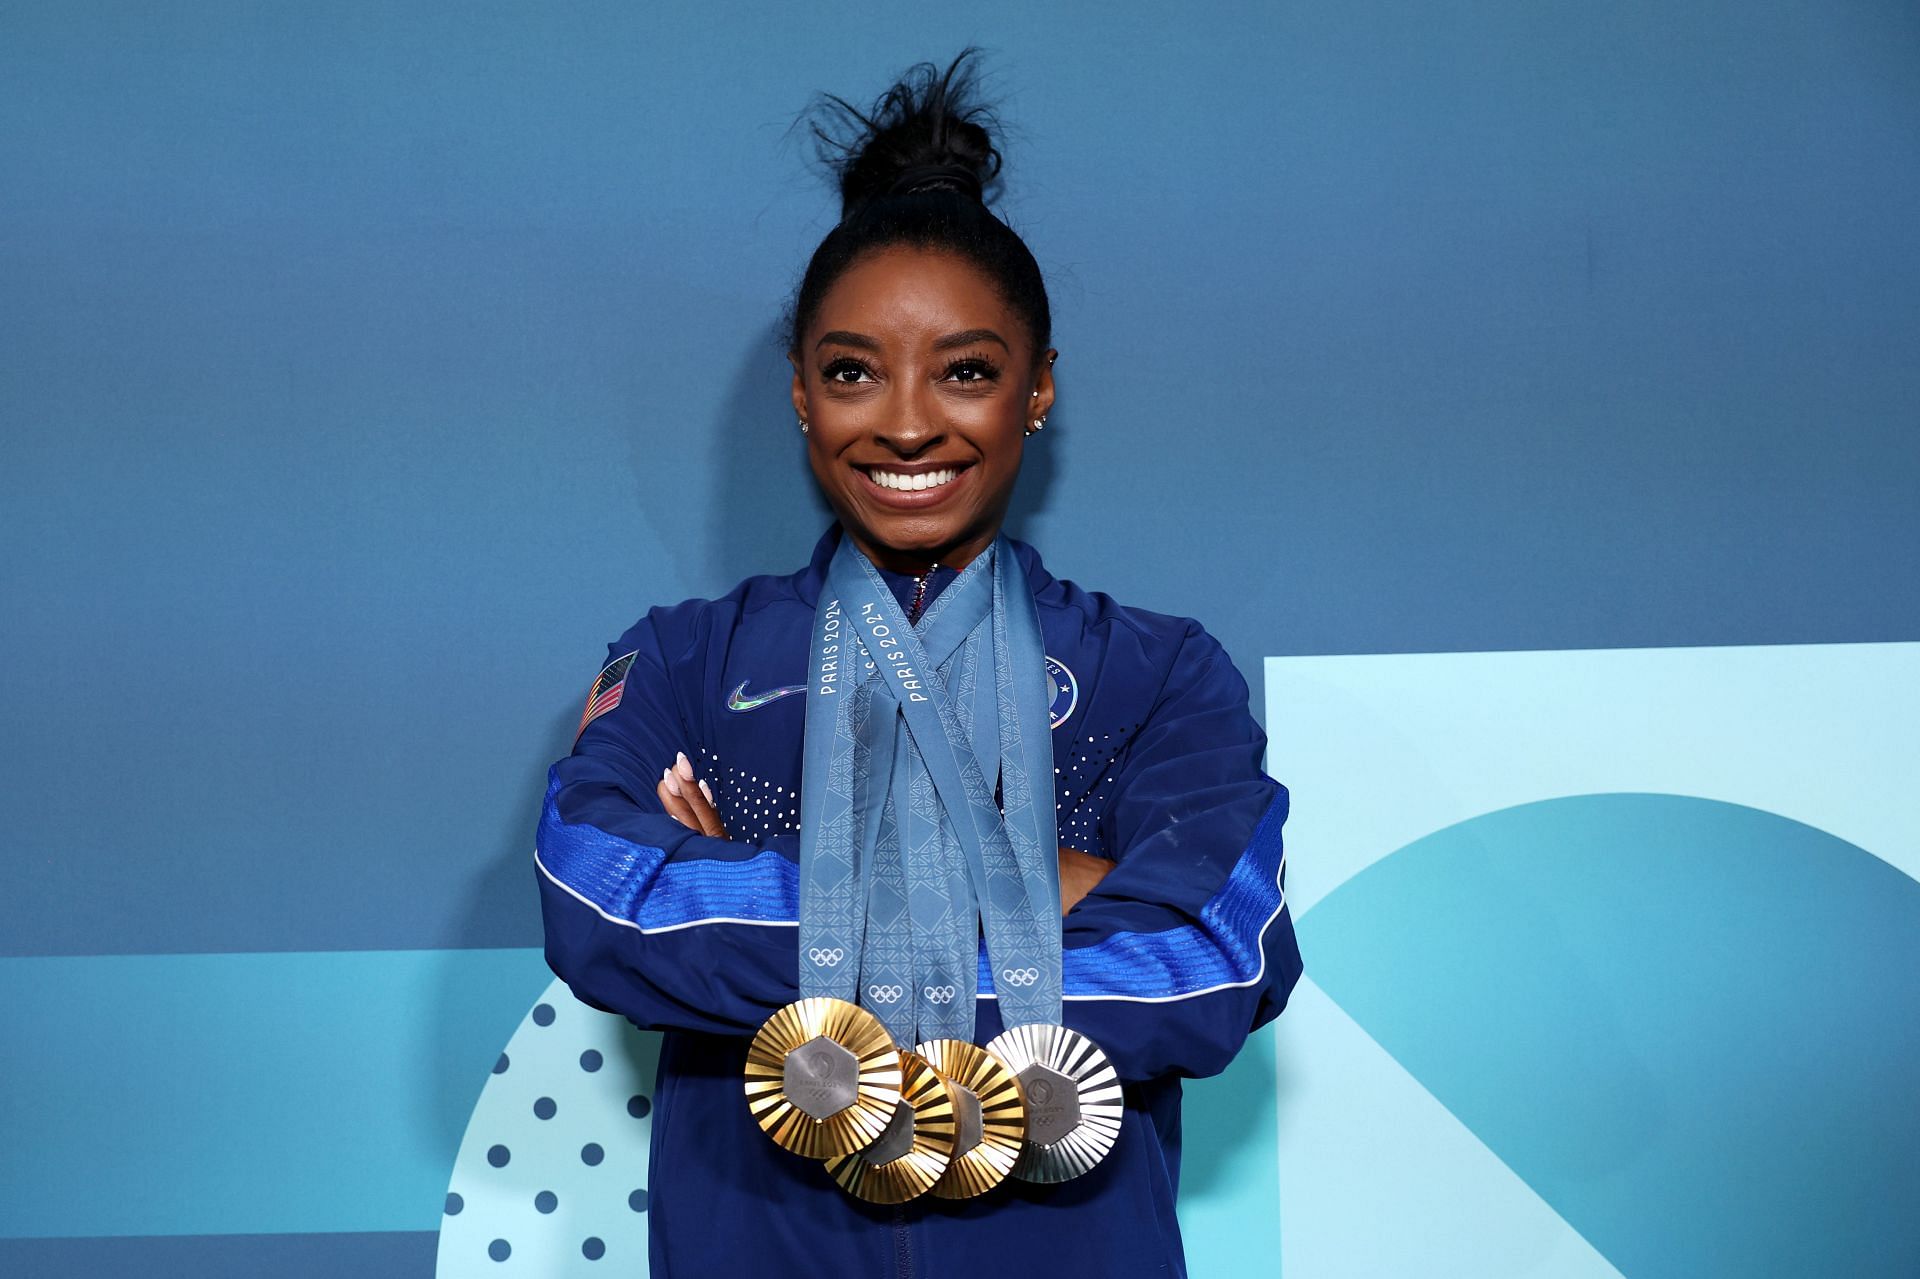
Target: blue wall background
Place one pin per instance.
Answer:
(364, 369)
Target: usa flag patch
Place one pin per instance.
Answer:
(606, 691)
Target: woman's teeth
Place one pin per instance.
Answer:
(913, 483)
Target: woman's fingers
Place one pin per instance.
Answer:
(673, 799)
(689, 801)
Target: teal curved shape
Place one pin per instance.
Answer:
(1692, 1027)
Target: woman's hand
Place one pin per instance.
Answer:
(1079, 872)
(687, 801)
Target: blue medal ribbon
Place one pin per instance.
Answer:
(904, 852)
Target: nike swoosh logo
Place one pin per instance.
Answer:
(739, 702)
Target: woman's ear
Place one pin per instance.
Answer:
(799, 387)
(1042, 397)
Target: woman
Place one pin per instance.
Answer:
(670, 849)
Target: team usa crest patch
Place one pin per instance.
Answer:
(606, 691)
(1063, 692)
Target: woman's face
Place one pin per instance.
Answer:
(917, 383)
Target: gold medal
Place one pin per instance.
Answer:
(823, 1077)
(991, 1117)
(913, 1151)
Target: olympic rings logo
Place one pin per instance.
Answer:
(885, 994)
(826, 957)
(1020, 976)
(939, 994)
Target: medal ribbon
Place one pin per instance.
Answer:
(906, 821)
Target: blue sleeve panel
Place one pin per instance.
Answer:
(1186, 946)
(645, 918)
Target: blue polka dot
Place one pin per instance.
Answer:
(544, 1108)
(498, 1156)
(500, 1067)
(543, 1014)
(590, 1060)
(638, 1107)
(454, 1204)
(637, 1201)
(591, 1154)
(499, 1250)
(593, 1249)
(546, 1201)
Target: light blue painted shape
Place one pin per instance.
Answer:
(1690, 1026)
(246, 1093)
(1380, 1179)
(568, 1083)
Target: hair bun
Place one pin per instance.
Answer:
(924, 133)
(937, 177)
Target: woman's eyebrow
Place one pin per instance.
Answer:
(841, 337)
(967, 337)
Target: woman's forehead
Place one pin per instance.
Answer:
(909, 290)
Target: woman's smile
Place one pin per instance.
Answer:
(914, 485)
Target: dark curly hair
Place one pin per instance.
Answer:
(915, 169)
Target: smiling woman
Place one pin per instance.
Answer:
(915, 427)
(935, 988)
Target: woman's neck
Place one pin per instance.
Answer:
(917, 562)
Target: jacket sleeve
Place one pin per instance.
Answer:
(643, 917)
(1186, 946)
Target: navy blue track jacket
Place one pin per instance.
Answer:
(1181, 950)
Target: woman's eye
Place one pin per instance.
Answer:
(973, 371)
(837, 371)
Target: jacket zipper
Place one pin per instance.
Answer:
(920, 594)
(902, 1252)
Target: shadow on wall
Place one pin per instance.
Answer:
(504, 889)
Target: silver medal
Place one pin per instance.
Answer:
(1073, 1100)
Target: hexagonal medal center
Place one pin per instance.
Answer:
(896, 1140)
(966, 1115)
(1053, 1104)
(821, 1078)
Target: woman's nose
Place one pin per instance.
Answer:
(912, 427)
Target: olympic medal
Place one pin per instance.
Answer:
(990, 1117)
(913, 1152)
(1073, 1099)
(823, 1077)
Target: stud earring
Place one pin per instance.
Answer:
(803, 425)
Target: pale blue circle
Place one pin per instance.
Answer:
(559, 1115)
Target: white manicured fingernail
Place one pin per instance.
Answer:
(705, 791)
(673, 783)
(683, 766)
